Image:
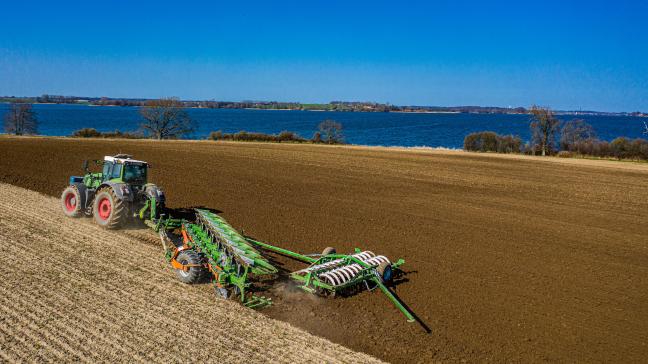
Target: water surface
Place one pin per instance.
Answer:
(388, 129)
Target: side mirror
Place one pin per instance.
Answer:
(85, 165)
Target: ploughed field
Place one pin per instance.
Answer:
(507, 258)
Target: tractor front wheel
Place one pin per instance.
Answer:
(108, 210)
(71, 202)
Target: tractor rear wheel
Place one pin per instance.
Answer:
(108, 210)
(195, 272)
(71, 202)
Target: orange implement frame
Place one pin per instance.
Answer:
(176, 250)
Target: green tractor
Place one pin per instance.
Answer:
(115, 195)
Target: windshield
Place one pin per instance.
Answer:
(106, 170)
(135, 173)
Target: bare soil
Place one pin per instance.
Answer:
(507, 259)
(71, 291)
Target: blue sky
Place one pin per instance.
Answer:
(567, 55)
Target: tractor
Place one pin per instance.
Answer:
(116, 195)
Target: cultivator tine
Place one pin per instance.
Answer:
(257, 302)
(166, 242)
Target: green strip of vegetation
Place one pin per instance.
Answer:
(94, 133)
(550, 136)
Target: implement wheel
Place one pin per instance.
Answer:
(71, 202)
(192, 274)
(109, 211)
(328, 251)
(385, 272)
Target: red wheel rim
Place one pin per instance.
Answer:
(70, 202)
(104, 208)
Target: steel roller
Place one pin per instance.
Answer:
(364, 256)
(346, 273)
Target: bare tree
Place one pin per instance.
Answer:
(543, 128)
(331, 131)
(21, 119)
(645, 128)
(166, 118)
(573, 133)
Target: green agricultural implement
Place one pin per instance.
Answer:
(207, 247)
(210, 246)
(331, 273)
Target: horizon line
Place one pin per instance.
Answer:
(76, 97)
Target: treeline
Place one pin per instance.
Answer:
(329, 132)
(349, 106)
(488, 141)
(620, 148)
(244, 136)
(550, 136)
(465, 109)
(263, 105)
(94, 133)
(207, 104)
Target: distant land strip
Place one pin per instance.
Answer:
(348, 106)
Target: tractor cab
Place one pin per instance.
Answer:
(122, 168)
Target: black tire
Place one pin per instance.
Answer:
(385, 272)
(153, 191)
(108, 210)
(71, 202)
(194, 274)
(328, 251)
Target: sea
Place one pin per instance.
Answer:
(363, 128)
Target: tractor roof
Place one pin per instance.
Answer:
(121, 158)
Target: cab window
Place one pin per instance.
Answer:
(106, 170)
(135, 173)
(116, 171)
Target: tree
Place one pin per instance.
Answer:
(331, 131)
(488, 141)
(21, 119)
(574, 133)
(166, 118)
(543, 128)
(645, 128)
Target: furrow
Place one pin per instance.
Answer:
(57, 332)
(33, 332)
(75, 329)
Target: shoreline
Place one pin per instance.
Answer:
(556, 112)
